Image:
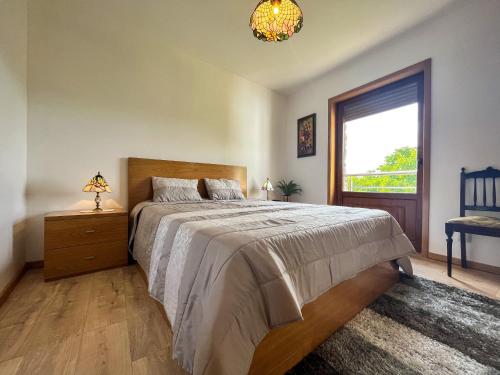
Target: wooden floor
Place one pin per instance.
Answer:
(475, 281)
(105, 323)
(101, 323)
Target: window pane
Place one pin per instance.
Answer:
(380, 152)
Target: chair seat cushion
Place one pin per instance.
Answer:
(477, 221)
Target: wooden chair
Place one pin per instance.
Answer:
(480, 225)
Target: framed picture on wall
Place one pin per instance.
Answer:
(306, 136)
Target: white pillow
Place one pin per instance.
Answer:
(223, 189)
(175, 190)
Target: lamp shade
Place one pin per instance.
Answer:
(97, 185)
(267, 185)
(276, 20)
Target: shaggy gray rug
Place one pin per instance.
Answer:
(417, 327)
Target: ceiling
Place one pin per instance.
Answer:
(218, 33)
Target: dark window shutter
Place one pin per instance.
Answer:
(389, 97)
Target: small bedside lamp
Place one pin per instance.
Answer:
(267, 187)
(97, 185)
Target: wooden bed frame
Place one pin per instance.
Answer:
(283, 347)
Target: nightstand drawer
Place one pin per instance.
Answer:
(81, 259)
(68, 233)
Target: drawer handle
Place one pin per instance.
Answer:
(90, 231)
(89, 257)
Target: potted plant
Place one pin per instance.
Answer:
(288, 189)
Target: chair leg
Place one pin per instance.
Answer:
(463, 250)
(449, 248)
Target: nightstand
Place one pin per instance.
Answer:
(77, 242)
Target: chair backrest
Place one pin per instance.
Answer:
(488, 174)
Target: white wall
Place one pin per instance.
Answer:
(104, 86)
(464, 44)
(12, 136)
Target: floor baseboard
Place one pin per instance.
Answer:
(34, 264)
(7, 290)
(471, 264)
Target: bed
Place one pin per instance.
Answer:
(254, 286)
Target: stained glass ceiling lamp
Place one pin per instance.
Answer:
(276, 20)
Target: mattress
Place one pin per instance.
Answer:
(227, 272)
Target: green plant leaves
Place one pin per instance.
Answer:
(289, 188)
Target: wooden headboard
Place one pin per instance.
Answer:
(140, 172)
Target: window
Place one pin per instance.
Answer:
(380, 139)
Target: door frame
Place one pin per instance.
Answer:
(334, 183)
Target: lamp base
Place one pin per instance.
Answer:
(97, 208)
(97, 202)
